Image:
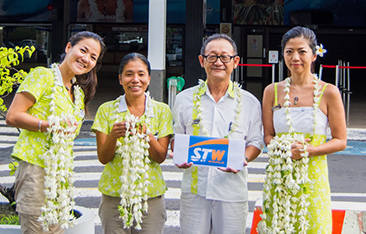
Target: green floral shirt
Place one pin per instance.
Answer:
(39, 83)
(161, 125)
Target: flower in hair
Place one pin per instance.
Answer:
(320, 50)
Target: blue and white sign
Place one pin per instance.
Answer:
(209, 151)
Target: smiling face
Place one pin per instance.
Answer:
(218, 70)
(135, 78)
(83, 56)
(298, 55)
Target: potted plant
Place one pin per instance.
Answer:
(11, 78)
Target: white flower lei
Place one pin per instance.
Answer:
(197, 101)
(284, 189)
(97, 15)
(59, 163)
(135, 155)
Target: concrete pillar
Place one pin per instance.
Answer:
(1, 36)
(157, 49)
(195, 25)
(60, 18)
(226, 11)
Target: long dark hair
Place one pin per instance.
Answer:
(88, 81)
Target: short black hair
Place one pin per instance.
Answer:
(219, 37)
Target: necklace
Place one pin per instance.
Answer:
(73, 80)
(59, 163)
(296, 98)
(197, 102)
(287, 101)
(134, 152)
(284, 199)
(95, 13)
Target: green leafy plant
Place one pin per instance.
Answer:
(7, 215)
(9, 219)
(9, 76)
(13, 167)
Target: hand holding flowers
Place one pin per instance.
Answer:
(133, 147)
(297, 148)
(65, 127)
(119, 129)
(59, 163)
(285, 190)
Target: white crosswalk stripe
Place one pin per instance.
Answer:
(88, 170)
(86, 157)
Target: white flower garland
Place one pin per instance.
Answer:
(59, 164)
(135, 155)
(284, 193)
(97, 15)
(238, 108)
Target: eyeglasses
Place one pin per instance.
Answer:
(223, 58)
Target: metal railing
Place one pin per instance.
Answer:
(343, 81)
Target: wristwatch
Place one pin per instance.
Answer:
(246, 158)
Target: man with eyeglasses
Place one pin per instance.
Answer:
(215, 200)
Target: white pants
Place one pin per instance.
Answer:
(199, 215)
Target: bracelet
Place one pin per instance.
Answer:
(246, 159)
(40, 126)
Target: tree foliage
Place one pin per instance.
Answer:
(10, 77)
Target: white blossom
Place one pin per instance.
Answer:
(59, 163)
(279, 211)
(320, 50)
(134, 177)
(197, 102)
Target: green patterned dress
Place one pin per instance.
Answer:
(319, 211)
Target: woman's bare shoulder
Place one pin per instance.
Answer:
(270, 88)
(330, 90)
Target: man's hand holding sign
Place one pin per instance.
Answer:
(223, 153)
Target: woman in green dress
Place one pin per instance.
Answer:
(304, 104)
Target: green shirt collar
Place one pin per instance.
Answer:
(123, 106)
(230, 89)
